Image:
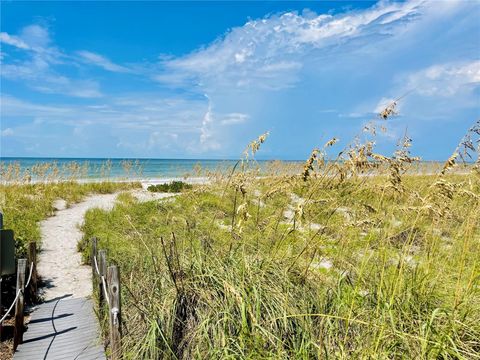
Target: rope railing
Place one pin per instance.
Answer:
(104, 285)
(109, 288)
(11, 307)
(18, 295)
(22, 287)
(96, 264)
(104, 282)
(109, 292)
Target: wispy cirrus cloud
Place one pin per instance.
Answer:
(446, 79)
(137, 121)
(32, 37)
(7, 132)
(35, 41)
(13, 41)
(135, 124)
(40, 68)
(37, 69)
(101, 61)
(135, 112)
(234, 118)
(37, 74)
(442, 89)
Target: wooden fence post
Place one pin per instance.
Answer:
(94, 254)
(19, 327)
(32, 259)
(113, 281)
(102, 267)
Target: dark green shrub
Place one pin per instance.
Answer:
(172, 187)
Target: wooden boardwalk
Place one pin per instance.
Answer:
(62, 329)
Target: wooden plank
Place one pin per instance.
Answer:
(113, 281)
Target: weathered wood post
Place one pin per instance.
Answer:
(32, 259)
(113, 280)
(102, 267)
(18, 331)
(93, 255)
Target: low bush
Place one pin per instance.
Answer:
(172, 187)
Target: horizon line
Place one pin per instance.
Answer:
(184, 159)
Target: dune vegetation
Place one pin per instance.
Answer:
(172, 187)
(25, 204)
(357, 258)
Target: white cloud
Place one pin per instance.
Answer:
(234, 118)
(158, 140)
(268, 53)
(101, 61)
(37, 71)
(12, 106)
(35, 40)
(13, 41)
(207, 141)
(445, 80)
(212, 124)
(38, 76)
(277, 53)
(37, 37)
(7, 132)
(140, 120)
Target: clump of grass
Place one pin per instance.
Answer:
(172, 187)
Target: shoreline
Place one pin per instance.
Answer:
(145, 182)
(194, 180)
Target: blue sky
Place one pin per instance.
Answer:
(202, 79)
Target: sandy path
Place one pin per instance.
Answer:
(60, 265)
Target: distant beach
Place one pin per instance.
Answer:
(146, 171)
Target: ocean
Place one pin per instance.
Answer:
(88, 168)
(40, 169)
